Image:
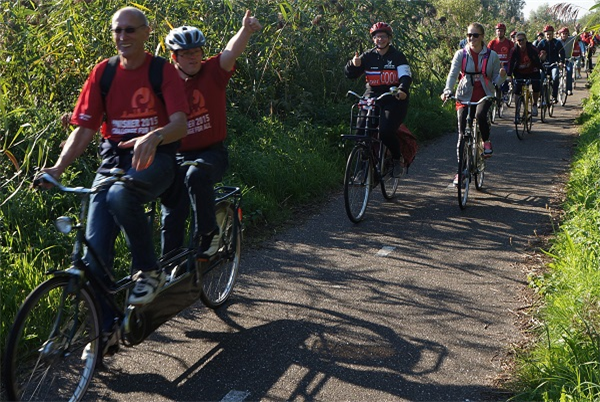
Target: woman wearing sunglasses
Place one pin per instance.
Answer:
(477, 69)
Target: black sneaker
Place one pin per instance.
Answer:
(109, 344)
(146, 286)
(209, 245)
(398, 169)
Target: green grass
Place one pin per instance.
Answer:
(564, 364)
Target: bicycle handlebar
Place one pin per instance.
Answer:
(469, 103)
(393, 91)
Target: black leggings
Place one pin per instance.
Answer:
(392, 114)
(481, 116)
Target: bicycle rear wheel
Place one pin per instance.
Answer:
(218, 275)
(562, 90)
(358, 180)
(389, 183)
(529, 121)
(464, 171)
(520, 118)
(479, 161)
(493, 112)
(54, 344)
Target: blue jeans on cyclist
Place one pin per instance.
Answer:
(569, 72)
(555, 82)
(121, 207)
(194, 187)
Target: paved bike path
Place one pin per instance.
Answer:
(418, 302)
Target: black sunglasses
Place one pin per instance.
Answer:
(128, 30)
(474, 35)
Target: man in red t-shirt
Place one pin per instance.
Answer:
(139, 135)
(503, 46)
(205, 85)
(525, 64)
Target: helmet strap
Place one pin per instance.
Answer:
(178, 66)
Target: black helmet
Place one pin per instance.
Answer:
(184, 38)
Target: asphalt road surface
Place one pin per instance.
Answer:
(419, 302)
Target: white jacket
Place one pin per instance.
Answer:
(464, 90)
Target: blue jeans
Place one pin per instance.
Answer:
(196, 190)
(121, 207)
(555, 82)
(569, 72)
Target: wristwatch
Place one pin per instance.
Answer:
(160, 136)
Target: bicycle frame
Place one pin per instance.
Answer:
(358, 181)
(470, 149)
(182, 288)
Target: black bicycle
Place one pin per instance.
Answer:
(54, 344)
(471, 162)
(370, 162)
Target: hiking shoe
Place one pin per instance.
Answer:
(534, 110)
(487, 149)
(209, 245)
(398, 169)
(109, 344)
(146, 286)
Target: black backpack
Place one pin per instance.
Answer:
(156, 76)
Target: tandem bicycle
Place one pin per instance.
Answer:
(53, 347)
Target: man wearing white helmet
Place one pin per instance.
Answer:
(205, 84)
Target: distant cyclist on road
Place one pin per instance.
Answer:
(503, 46)
(551, 51)
(572, 46)
(525, 64)
(384, 66)
(477, 69)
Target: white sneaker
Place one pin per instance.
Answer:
(534, 110)
(209, 245)
(570, 93)
(146, 286)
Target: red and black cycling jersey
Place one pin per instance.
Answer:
(382, 71)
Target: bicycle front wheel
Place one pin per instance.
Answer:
(219, 274)
(358, 181)
(543, 104)
(54, 344)
(520, 118)
(389, 183)
(464, 171)
(549, 101)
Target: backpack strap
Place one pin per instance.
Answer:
(157, 65)
(155, 74)
(107, 77)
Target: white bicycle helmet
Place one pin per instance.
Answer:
(184, 38)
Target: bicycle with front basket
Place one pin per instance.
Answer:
(53, 346)
(370, 162)
(471, 162)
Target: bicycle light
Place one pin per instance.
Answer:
(64, 224)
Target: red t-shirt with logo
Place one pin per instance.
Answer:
(503, 48)
(132, 107)
(525, 64)
(207, 122)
